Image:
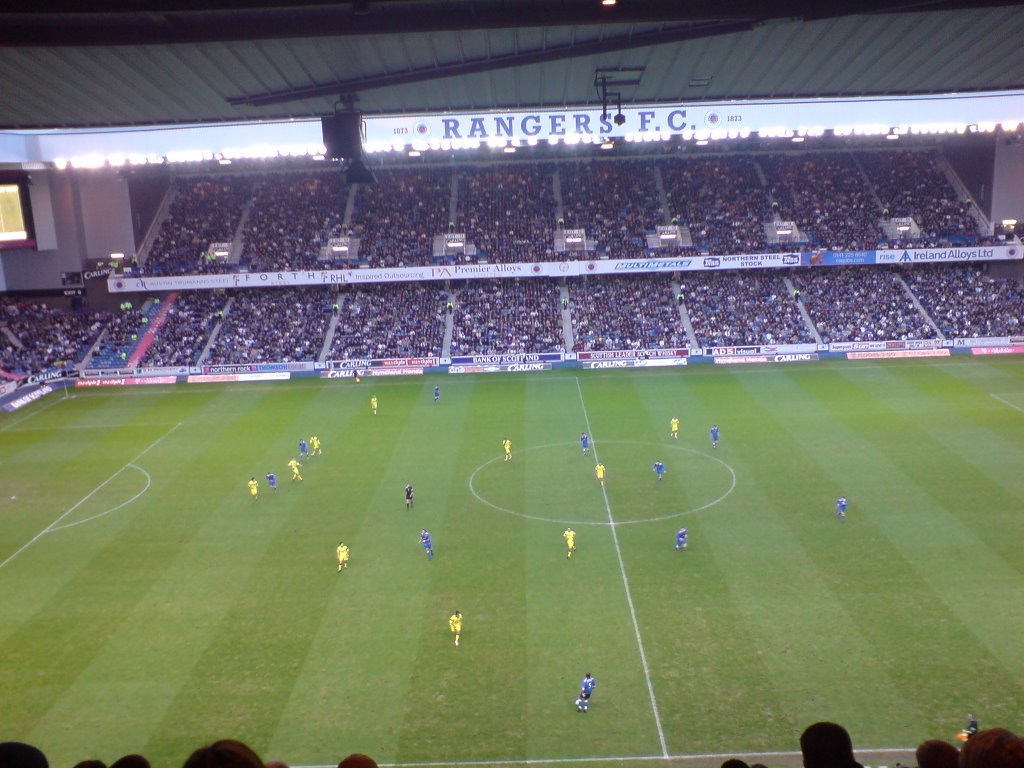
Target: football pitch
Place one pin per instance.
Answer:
(148, 604)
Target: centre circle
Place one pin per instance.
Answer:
(556, 483)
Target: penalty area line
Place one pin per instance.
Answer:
(625, 582)
(54, 525)
(1008, 403)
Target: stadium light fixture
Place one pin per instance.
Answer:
(117, 256)
(414, 153)
(607, 144)
(609, 3)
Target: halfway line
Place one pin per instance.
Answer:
(89, 495)
(625, 582)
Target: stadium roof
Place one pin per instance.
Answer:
(95, 63)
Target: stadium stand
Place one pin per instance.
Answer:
(860, 304)
(397, 218)
(827, 196)
(617, 203)
(508, 213)
(379, 321)
(911, 184)
(281, 325)
(190, 321)
(44, 337)
(507, 316)
(722, 201)
(204, 210)
(291, 217)
(744, 307)
(630, 312)
(965, 302)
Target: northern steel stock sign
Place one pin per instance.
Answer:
(338, 277)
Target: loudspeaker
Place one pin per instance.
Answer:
(343, 135)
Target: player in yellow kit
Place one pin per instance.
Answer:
(294, 466)
(507, 445)
(314, 446)
(455, 625)
(373, 404)
(674, 427)
(342, 556)
(570, 541)
(254, 489)
(599, 471)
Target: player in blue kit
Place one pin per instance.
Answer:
(659, 469)
(841, 508)
(437, 393)
(425, 542)
(585, 443)
(681, 539)
(714, 435)
(303, 450)
(272, 481)
(587, 686)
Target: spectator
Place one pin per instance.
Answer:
(397, 218)
(15, 754)
(190, 321)
(860, 304)
(381, 321)
(742, 308)
(275, 325)
(203, 211)
(508, 213)
(827, 745)
(993, 748)
(507, 317)
(937, 754)
(631, 312)
(721, 200)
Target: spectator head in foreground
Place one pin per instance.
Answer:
(937, 754)
(14, 754)
(226, 753)
(357, 760)
(993, 748)
(827, 745)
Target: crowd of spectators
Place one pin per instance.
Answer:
(911, 184)
(203, 211)
(721, 200)
(860, 304)
(742, 307)
(124, 333)
(965, 302)
(290, 219)
(397, 218)
(274, 325)
(186, 330)
(507, 316)
(629, 312)
(616, 202)
(380, 321)
(48, 338)
(508, 213)
(827, 196)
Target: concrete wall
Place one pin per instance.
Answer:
(1008, 182)
(80, 217)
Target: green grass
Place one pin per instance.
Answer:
(192, 613)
